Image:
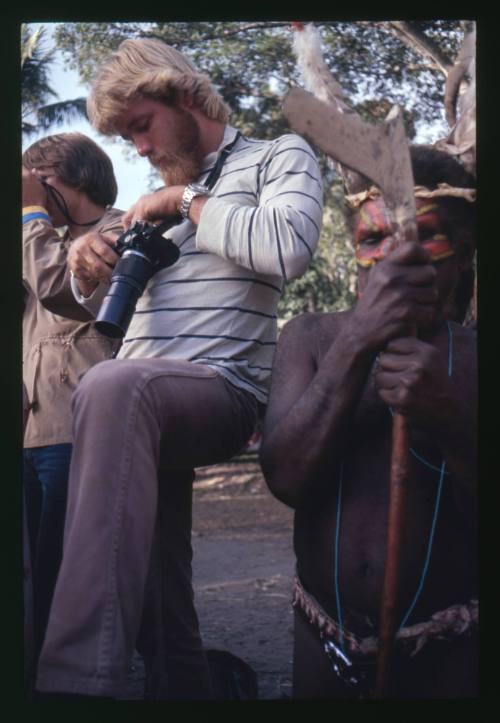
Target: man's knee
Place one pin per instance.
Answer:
(106, 381)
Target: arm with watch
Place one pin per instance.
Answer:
(274, 232)
(267, 220)
(169, 201)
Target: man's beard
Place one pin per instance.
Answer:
(177, 169)
(185, 163)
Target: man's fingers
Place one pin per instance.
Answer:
(386, 381)
(109, 237)
(101, 247)
(422, 275)
(392, 363)
(33, 191)
(126, 219)
(91, 257)
(93, 267)
(154, 206)
(401, 346)
(140, 211)
(410, 253)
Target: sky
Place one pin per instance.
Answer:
(132, 172)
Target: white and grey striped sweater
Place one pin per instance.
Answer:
(217, 304)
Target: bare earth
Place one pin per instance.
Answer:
(243, 569)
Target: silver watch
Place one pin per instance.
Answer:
(191, 191)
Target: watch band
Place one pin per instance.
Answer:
(191, 191)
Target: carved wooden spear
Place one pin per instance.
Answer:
(381, 154)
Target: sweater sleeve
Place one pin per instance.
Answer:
(91, 304)
(45, 268)
(279, 235)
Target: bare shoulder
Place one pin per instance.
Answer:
(315, 325)
(312, 333)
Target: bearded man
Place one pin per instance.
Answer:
(193, 372)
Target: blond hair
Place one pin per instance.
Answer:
(149, 67)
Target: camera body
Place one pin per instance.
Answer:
(143, 252)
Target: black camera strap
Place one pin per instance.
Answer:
(60, 202)
(210, 182)
(214, 174)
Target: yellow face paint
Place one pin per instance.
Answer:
(374, 242)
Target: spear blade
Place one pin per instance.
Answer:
(379, 152)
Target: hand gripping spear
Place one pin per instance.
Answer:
(381, 154)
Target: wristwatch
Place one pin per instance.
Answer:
(191, 191)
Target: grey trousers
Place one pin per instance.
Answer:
(131, 418)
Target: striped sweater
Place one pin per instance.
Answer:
(217, 304)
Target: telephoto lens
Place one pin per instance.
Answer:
(143, 251)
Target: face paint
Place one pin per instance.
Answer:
(439, 247)
(372, 234)
(367, 256)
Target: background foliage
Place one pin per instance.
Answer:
(38, 113)
(378, 63)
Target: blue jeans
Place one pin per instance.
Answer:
(45, 477)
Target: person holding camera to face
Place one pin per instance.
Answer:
(193, 371)
(67, 181)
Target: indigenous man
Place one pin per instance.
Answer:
(326, 452)
(68, 181)
(194, 367)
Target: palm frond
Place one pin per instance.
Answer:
(61, 112)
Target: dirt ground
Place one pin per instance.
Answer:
(243, 571)
(242, 574)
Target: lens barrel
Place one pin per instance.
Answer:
(130, 276)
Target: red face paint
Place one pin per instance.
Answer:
(372, 233)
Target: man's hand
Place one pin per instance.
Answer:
(34, 194)
(412, 378)
(155, 206)
(91, 259)
(400, 293)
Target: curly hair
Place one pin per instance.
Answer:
(458, 217)
(149, 67)
(78, 162)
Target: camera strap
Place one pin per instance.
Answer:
(58, 199)
(210, 182)
(214, 174)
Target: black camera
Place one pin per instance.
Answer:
(143, 251)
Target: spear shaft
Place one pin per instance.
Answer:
(398, 493)
(381, 154)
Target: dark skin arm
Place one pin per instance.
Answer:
(308, 408)
(312, 405)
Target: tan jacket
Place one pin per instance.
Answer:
(59, 339)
